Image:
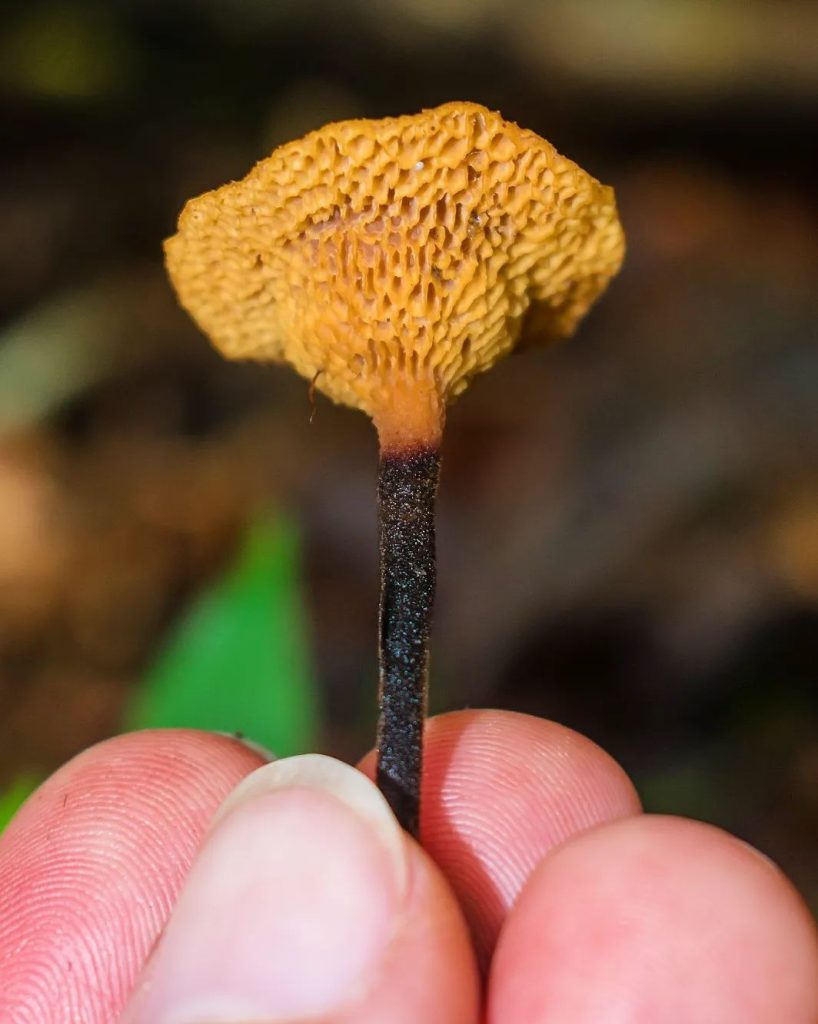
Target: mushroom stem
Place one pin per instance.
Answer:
(407, 486)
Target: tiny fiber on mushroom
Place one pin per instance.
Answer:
(390, 261)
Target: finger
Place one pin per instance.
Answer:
(91, 866)
(499, 791)
(307, 901)
(656, 919)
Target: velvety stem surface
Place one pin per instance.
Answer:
(407, 486)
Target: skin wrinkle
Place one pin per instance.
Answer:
(69, 891)
(486, 830)
(90, 868)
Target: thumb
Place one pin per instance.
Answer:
(308, 901)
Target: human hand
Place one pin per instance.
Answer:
(304, 900)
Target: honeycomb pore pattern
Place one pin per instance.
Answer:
(390, 261)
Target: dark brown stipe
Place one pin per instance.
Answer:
(407, 486)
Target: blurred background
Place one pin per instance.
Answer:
(628, 525)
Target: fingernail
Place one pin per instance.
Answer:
(759, 855)
(289, 905)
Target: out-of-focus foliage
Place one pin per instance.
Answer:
(64, 51)
(239, 662)
(56, 352)
(14, 796)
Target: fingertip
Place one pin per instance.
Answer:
(307, 901)
(91, 865)
(657, 918)
(500, 790)
(147, 765)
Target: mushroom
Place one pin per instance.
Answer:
(388, 262)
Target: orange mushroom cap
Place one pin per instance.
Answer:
(392, 260)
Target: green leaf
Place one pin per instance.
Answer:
(238, 661)
(14, 796)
